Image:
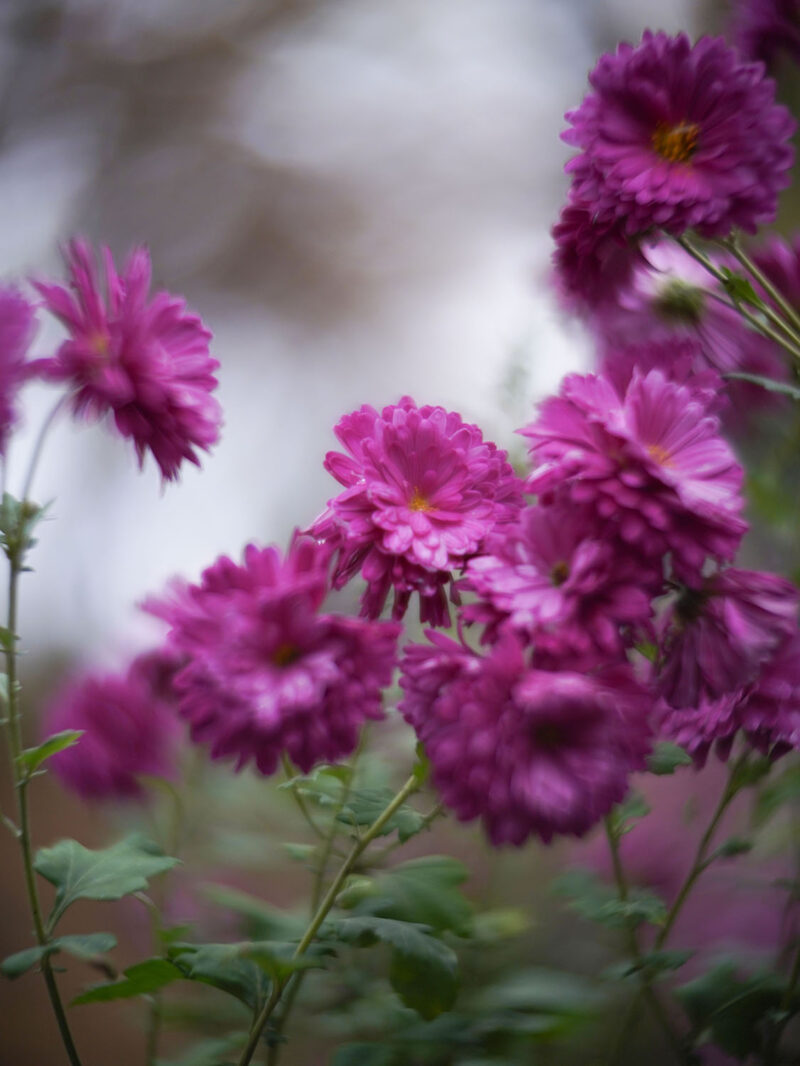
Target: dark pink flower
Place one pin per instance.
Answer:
(17, 323)
(718, 635)
(130, 728)
(144, 360)
(763, 28)
(677, 136)
(527, 751)
(567, 588)
(650, 464)
(266, 673)
(709, 722)
(592, 259)
(770, 708)
(422, 492)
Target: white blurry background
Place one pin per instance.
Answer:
(355, 194)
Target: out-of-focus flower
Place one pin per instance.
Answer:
(592, 260)
(555, 578)
(717, 635)
(763, 28)
(678, 136)
(422, 492)
(17, 322)
(130, 728)
(770, 708)
(144, 360)
(709, 722)
(266, 673)
(650, 464)
(527, 751)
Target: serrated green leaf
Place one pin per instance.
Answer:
(421, 890)
(423, 970)
(108, 874)
(31, 758)
(79, 945)
(624, 816)
(739, 288)
(365, 805)
(224, 967)
(667, 757)
(140, 980)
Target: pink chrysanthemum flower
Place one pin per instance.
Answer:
(712, 722)
(770, 709)
(529, 752)
(422, 492)
(266, 673)
(764, 28)
(677, 136)
(717, 636)
(592, 260)
(557, 580)
(16, 331)
(144, 360)
(130, 728)
(651, 464)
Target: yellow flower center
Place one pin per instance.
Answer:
(559, 573)
(418, 502)
(660, 454)
(285, 655)
(99, 343)
(676, 144)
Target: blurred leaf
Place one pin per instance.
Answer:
(364, 1055)
(18, 519)
(500, 924)
(422, 890)
(31, 758)
(735, 1010)
(776, 793)
(769, 384)
(81, 946)
(268, 922)
(540, 990)
(732, 847)
(365, 805)
(624, 816)
(667, 757)
(423, 971)
(301, 852)
(208, 1052)
(80, 873)
(597, 901)
(653, 965)
(224, 967)
(751, 772)
(139, 980)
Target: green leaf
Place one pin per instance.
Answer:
(80, 946)
(624, 816)
(7, 639)
(31, 758)
(208, 1052)
(140, 980)
(653, 965)
(542, 991)
(365, 805)
(264, 921)
(735, 1010)
(732, 847)
(751, 772)
(423, 971)
(80, 873)
(769, 384)
(422, 890)
(599, 902)
(364, 1055)
(18, 518)
(224, 967)
(667, 757)
(739, 288)
(775, 794)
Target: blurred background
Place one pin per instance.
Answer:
(356, 195)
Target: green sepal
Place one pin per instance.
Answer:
(31, 758)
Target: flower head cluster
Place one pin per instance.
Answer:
(529, 752)
(423, 490)
(145, 361)
(16, 331)
(130, 728)
(592, 259)
(265, 672)
(650, 464)
(677, 136)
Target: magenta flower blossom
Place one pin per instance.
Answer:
(145, 361)
(770, 708)
(650, 464)
(572, 592)
(717, 636)
(17, 323)
(130, 728)
(763, 28)
(529, 752)
(266, 673)
(592, 259)
(712, 722)
(422, 492)
(677, 136)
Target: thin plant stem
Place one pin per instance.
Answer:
(411, 786)
(21, 788)
(39, 446)
(790, 343)
(771, 290)
(635, 952)
(302, 806)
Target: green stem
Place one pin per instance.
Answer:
(411, 786)
(701, 860)
(771, 290)
(792, 346)
(21, 788)
(302, 806)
